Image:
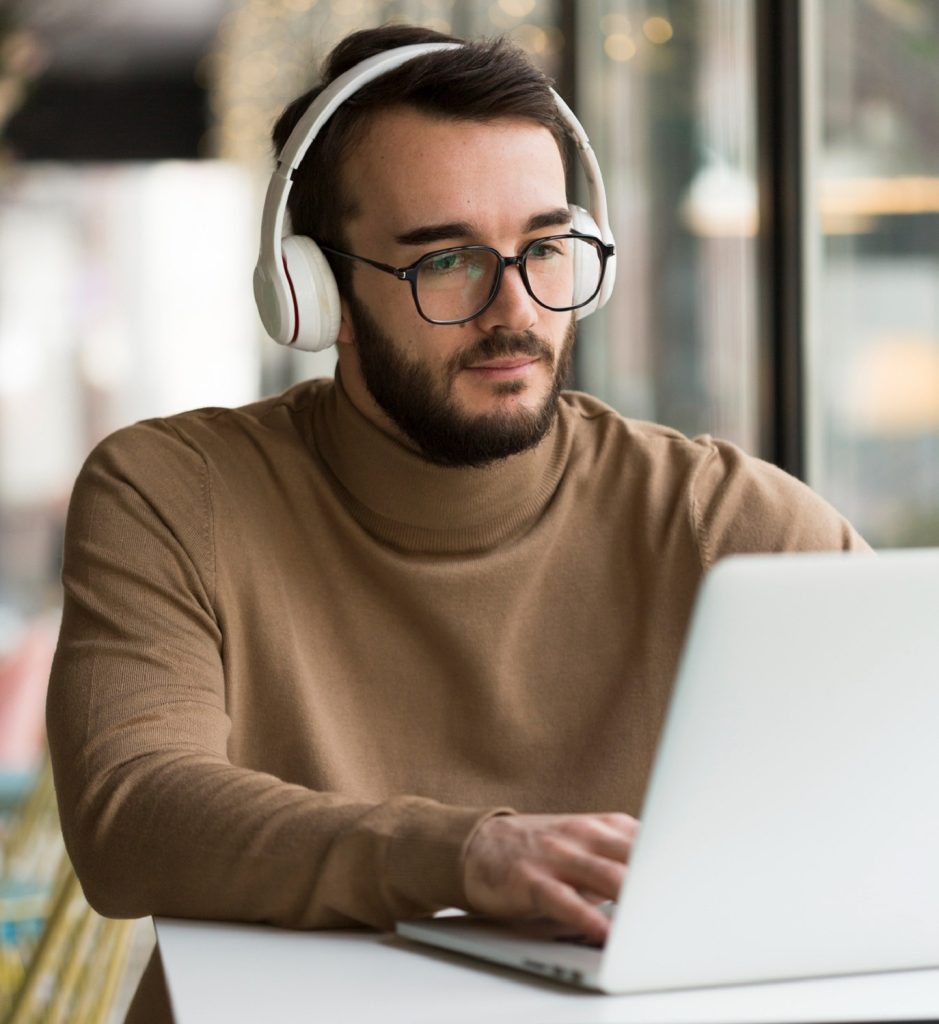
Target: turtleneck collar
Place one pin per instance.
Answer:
(417, 505)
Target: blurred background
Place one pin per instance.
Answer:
(773, 175)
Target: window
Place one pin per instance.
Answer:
(666, 91)
(873, 352)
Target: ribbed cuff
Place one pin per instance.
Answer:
(424, 870)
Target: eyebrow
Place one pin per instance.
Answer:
(558, 217)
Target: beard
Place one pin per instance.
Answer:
(422, 406)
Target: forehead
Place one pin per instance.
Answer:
(409, 167)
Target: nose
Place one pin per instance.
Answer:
(513, 309)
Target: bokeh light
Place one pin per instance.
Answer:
(619, 46)
(658, 30)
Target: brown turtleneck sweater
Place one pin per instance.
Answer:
(299, 664)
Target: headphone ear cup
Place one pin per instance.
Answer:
(315, 294)
(584, 273)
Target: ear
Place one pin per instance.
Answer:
(346, 335)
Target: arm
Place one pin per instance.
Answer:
(156, 818)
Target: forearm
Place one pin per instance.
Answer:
(187, 835)
(157, 820)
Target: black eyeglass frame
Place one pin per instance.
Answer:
(605, 251)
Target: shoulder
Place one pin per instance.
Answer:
(183, 470)
(638, 446)
(209, 438)
(159, 491)
(743, 504)
(733, 502)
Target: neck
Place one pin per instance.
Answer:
(414, 504)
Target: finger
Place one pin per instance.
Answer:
(624, 824)
(552, 898)
(607, 842)
(587, 871)
(614, 836)
(596, 900)
(596, 837)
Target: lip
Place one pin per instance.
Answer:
(506, 367)
(506, 363)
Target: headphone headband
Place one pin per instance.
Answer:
(294, 287)
(309, 126)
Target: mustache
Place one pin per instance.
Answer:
(501, 344)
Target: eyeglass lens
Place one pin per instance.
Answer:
(562, 273)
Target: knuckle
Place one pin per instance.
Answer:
(594, 828)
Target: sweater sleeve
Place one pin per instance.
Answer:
(156, 818)
(740, 504)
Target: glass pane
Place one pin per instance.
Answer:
(874, 353)
(667, 94)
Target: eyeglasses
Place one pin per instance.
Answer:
(451, 286)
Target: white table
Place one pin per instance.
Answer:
(249, 973)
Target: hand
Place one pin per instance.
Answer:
(551, 865)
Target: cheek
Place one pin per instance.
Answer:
(553, 327)
(436, 345)
(388, 302)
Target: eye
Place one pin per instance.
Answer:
(445, 263)
(545, 249)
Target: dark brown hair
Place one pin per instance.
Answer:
(480, 81)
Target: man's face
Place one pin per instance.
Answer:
(472, 392)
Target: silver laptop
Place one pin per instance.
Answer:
(791, 827)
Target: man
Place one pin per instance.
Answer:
(405, 640)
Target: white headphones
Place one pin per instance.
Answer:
(294, 287)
